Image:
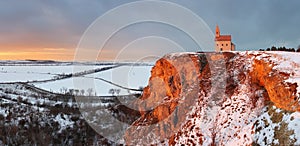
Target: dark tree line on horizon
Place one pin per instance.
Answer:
(273, 48)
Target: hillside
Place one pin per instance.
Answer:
(32, 116)
(230, 98)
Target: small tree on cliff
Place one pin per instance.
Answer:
(298, 50)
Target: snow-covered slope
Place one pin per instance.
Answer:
(230, 98)
(32, 116)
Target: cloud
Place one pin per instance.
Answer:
(60, 23)
(55, 23)
(252, 23)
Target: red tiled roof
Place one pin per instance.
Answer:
(223, 38)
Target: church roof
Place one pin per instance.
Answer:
(223, 38)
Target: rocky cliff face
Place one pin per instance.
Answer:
(240, 98)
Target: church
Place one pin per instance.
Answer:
(223, 42)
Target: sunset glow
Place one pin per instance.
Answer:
(38, 54)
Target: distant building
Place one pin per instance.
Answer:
(223, 42)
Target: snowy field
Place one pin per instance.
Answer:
(129, 76)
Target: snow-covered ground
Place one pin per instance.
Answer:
(39, 72)
(130, 76)
(6, 77)
(126, 76)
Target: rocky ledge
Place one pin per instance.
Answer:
(230, 98)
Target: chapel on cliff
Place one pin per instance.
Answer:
(223, 42)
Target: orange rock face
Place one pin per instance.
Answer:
(187, 86)
(280, 93)
(170, 85)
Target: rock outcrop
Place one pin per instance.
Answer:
(220, 99)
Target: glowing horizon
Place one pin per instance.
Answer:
(59, 54)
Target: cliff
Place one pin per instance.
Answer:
(230, 98)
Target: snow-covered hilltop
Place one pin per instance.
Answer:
(230, 98)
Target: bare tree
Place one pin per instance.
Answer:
(141, 88)
(76, 92)
(19, 99)
(117, 91)
(82, 92)
(71, 91)
(111, 91)
(90, 91)
(63, 90)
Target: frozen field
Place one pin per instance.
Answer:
(128, 76)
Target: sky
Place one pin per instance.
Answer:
(51, 30)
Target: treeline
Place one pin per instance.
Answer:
(273, 48)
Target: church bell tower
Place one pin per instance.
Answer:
(217, 31)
